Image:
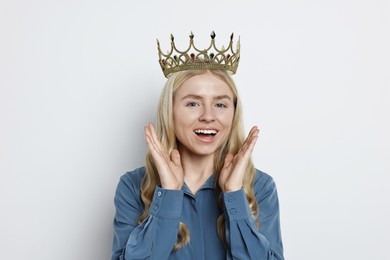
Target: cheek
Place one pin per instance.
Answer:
(228, 119)
(185, 117)
(179, 119)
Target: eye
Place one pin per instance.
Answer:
(192, 104)
(221, 105)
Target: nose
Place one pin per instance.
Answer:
(207, 114)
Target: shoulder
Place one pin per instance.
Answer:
(130, 182)
(133, 177)
(128, 193)
(264, 184)
(262, 178)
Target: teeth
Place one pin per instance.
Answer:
(205, 132)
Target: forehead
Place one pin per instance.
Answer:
(204, 85)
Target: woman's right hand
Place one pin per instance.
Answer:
(168, 166)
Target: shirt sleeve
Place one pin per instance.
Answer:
(155, 237)
(244, 240)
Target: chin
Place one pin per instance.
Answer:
(204, 152)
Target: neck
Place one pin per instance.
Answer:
(197, 169)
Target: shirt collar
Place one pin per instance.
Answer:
(209, 184)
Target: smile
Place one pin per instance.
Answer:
(205, 132)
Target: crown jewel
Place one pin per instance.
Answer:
(194, 58)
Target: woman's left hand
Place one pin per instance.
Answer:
(232, 174)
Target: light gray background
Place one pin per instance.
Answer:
(80, 79)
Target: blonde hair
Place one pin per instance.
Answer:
(165, 132)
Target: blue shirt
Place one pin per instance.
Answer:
(155, 237)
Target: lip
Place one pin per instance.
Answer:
(209, 130)
(206, 138)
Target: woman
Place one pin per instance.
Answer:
(199, 195)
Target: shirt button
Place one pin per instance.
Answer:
(233, 211)
(159, 193)
(231, 198)
(155, 207)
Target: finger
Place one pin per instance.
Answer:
(152, 134)
(176, 167)
(148, 137)
(175, 157)
(251, 141)
(155, 140)
(252, 133)
(157, 151)
(226, 169)
(148, 132)
(228, 160)
(245, 152)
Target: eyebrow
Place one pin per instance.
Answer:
(192, 96)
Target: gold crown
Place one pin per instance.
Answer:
(194, 59)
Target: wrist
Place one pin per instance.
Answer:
(227, 188)
(170, 186)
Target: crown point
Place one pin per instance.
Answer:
(195, 58)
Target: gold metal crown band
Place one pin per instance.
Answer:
(194, 58)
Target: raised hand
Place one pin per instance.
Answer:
(168, 166)
(232, 174)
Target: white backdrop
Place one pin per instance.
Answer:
(80, 79)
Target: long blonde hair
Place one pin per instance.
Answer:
(165, 132)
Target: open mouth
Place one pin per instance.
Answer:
(205, 132)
